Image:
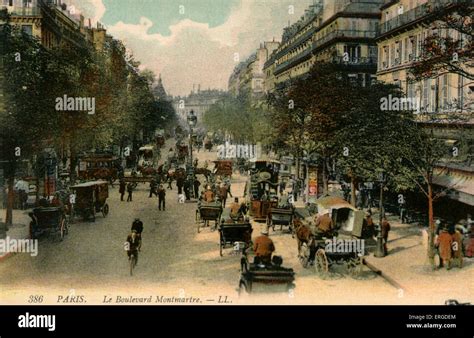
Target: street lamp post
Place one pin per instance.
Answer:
(380, 252)
(192, 121)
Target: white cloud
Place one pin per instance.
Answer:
(90, 9)
(194, 53)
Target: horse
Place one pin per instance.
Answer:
(203, 171)
(305, 236)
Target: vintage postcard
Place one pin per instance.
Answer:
(236, 152)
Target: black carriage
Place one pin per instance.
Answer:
(273, 274)
(91, 198)
(50, 220)
(208, 211)
(344, 246)
(282, 217)
(232, 231)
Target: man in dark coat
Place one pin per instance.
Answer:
(122, 189)
(130, 192)
(180, 184)
(161, 198)
(197, 184)
(153, 186)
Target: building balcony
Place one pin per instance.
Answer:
(416, 14)
(296, 43)
(303, 56)
(15, 11)
(340, 34)
(355, 61)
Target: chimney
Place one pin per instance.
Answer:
(90, 26)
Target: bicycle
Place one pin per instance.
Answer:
(133, 261)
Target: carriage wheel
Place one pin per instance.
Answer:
(321, 262)
(304, 255)
(105, 210)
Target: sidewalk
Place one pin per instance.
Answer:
(407, 264)
(19, 229)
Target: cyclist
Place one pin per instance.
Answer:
(137, 226)
(134, 243)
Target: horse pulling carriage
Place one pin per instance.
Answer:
(272, 274)
(206, 212)
(344, 246)
(91, 198)
(51, 220)
(234, 231)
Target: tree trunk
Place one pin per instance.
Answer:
(10, 202)
(298, 164)
(353, 191)
(72, 163)
(325, 178)
(431, 244)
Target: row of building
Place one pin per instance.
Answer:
(373, 40)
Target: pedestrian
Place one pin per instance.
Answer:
(153, 186)
(282, 187)
(130, 192)
(385, 229)
(444, 242)
(457, 246)
(402, 211)
(161, 198)
(368, 226)
(228, 184)
(188, 186)
(180, 184)
(197, 184)
(170, 180)
(122, 189)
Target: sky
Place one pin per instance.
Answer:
(193, 41)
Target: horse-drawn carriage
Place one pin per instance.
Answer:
(261, 189)
(223, 168)
(99, 167)
(272, 273)
(206, 212)
(232, 231)
(344, 245)
(91, 198)
(282, 216)
(50, 220)
(148, 157)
